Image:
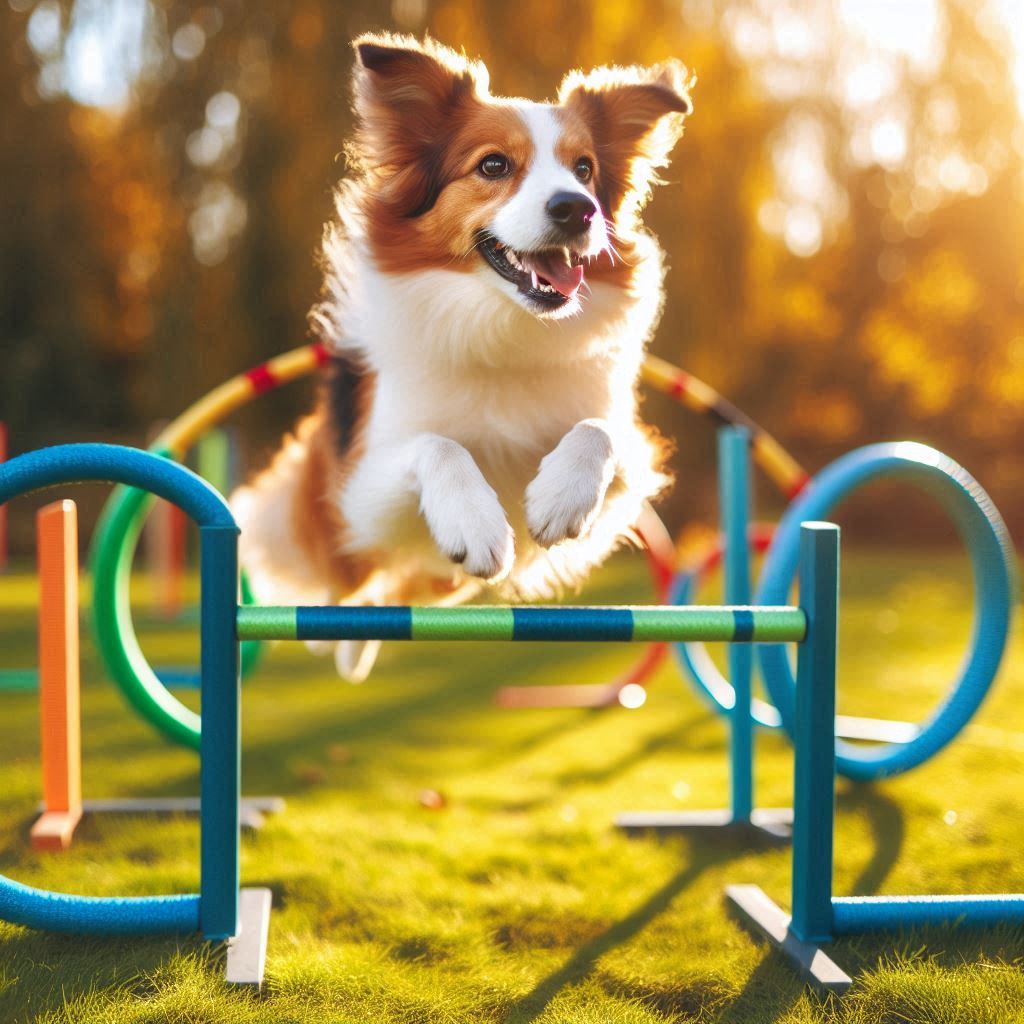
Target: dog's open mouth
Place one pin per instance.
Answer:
(549, 277)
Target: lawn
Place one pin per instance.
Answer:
(516, 900)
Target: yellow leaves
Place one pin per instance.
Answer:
(1005, 378)
(926, 340)
(306, 29)
(794, 317)
(943, 288)
(828, 416)
(458, 23)
(905, 358)
(613, 19)
(807, 313)
(141, 205)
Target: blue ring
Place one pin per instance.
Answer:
(694, 658)
(988, 543)
(75, 463)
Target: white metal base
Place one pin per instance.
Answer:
(775, 822)
(768, 918)
(247, 951)
(252, 810)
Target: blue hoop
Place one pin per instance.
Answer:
(106, 915)
(80, 463)
(693, 657)
(987, 541)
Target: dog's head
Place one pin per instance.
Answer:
(535, 196)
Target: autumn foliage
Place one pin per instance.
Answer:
(844, 218)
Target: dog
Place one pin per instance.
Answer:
(489, 290)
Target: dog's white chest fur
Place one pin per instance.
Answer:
(455, 362)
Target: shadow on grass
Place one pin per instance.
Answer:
(583, 963)
(886, 821)
(770, 992)
(673, 737)
(564, 721)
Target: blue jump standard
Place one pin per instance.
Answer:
(214, 911)
(772, 823)
(818, 916)
(220, 911)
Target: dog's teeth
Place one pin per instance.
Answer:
(533, 279)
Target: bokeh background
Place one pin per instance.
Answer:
(844, 218)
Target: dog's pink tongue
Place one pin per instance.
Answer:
(556, 269)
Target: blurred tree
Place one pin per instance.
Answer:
(843, 219)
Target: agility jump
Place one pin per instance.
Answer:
(117, 535)
(231, 636)
(215, 910)
(817, 915)
(222, 911)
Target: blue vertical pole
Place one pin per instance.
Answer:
(220, 740)
(734, 502)
(814, 734)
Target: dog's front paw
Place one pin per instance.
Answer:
(563, 499)
(485, 545)
(473, 532)
(465, 517)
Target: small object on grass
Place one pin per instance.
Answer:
(311, 774)
(432, 799)
(339, 753)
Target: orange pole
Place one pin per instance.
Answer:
(59, 701)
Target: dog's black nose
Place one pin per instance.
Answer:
(572, 211)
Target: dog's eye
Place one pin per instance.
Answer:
(495, 165)
(584, 169)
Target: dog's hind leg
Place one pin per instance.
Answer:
(354, 659)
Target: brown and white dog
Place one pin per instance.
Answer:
(489, 292)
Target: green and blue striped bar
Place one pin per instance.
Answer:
(645, 623)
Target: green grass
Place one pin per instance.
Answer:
(517, 901)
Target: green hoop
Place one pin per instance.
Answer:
(113, 551)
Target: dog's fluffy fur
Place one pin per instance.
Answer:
(480, 423)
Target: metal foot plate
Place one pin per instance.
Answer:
(247, 951)
(775, 822)
(772, 922)
(252, 810)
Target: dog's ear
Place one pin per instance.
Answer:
(407, 94)
(635, 116)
